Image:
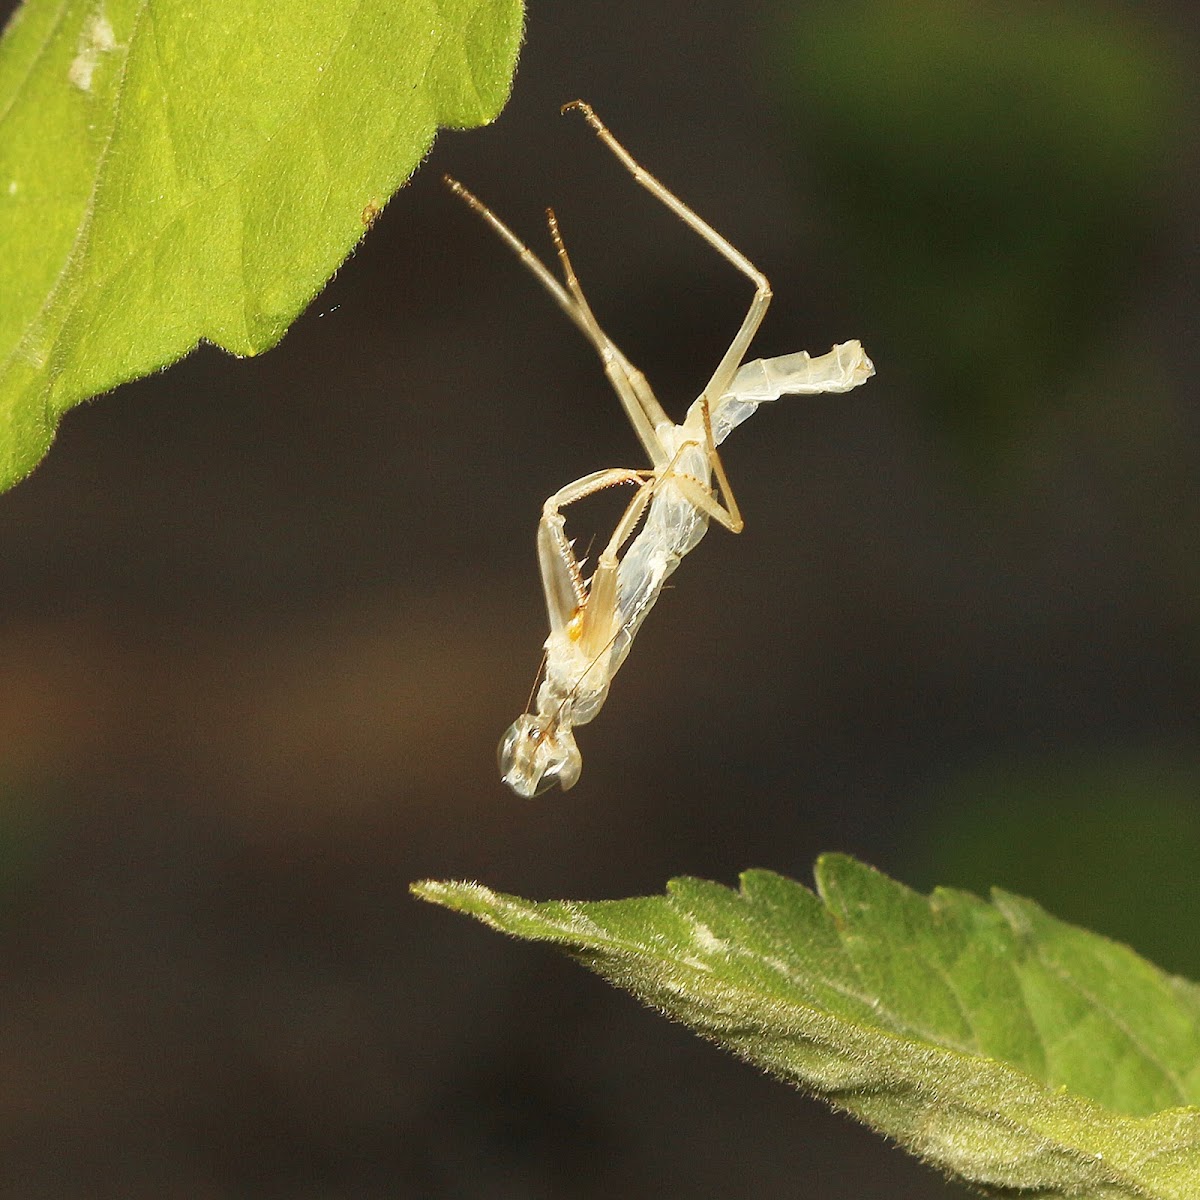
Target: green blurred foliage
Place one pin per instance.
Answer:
(1109, 841)
(998, 170)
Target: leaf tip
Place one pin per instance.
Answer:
(461, 895)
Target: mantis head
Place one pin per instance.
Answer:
(536, 753)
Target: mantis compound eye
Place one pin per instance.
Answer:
(533, 760)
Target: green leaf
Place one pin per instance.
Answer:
(1010, 1049)
(179, 170)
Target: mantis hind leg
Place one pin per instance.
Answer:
(722, 377)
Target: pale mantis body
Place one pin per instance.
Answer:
(593, 621)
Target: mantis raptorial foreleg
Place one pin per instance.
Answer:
(568, 595)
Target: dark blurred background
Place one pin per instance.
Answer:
(264, 621)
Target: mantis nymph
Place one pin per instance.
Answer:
(593, 620)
